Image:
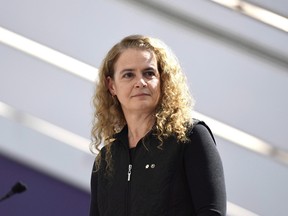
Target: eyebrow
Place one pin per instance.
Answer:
(126, 70)
(150, 68)
(131, 69)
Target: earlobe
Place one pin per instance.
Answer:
(110, 85)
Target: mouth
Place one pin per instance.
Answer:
(141, 95)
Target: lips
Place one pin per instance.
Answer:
(141, 94)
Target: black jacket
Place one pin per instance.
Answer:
(181, 179)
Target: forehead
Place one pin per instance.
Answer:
(133, 57)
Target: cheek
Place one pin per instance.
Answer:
(123, 90)
(155, 85)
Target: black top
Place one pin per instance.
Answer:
(180, 179)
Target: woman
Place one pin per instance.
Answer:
(156, 159)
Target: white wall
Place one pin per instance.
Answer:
(234, 86)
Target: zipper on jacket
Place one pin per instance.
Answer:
(129, 176)
(129, 189)
(129, 172)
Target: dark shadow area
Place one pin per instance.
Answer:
(45, 195)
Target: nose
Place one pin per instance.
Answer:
(140, 83)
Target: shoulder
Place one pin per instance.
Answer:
(201, 145)
(199, 130)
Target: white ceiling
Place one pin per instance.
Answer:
(276, 6)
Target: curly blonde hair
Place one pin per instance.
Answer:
(174, 108)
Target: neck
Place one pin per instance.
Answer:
(138, 127)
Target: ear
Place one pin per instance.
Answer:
(110, 85)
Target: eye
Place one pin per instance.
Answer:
(127, 75)
(149, 73)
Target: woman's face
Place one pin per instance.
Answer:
(136, 81)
